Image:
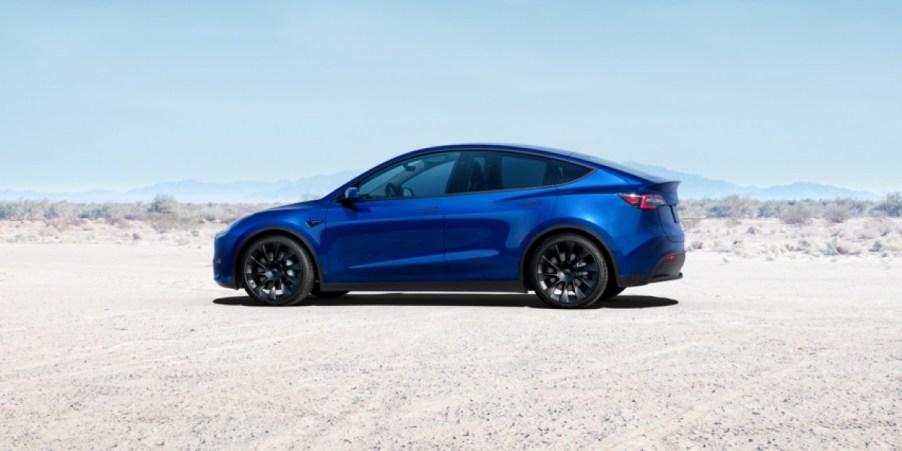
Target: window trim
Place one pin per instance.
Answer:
(465, 155)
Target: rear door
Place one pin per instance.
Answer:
(498, 200)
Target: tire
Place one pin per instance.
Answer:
(568, 271)
(327, 294)
(276, 271)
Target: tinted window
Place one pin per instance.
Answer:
(520, 172)
(421, 176)
(491, 171)
(618, 167)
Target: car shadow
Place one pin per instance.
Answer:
(455, 299)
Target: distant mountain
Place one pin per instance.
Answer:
(697, 187)
(240, 192)
(285, 191)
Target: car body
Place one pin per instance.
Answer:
(466, 217)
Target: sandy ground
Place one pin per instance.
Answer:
(133, 346)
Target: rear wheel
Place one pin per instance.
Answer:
(568, 271)
(276, 271)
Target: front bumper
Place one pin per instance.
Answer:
(222, 260)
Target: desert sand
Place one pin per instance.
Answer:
(131, 345)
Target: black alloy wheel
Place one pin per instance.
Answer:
(568, 271)
(277, 271)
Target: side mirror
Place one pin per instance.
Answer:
(352, 194)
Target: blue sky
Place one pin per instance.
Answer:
(119, 95)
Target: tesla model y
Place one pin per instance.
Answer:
(573, 228)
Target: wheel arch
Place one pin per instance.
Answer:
(568, 228)
(275, 231)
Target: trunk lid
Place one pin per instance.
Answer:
(669, 216)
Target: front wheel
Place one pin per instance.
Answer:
(568, 271)
(276, 271)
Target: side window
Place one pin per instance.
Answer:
(522, 172)
(421, 176)
(562, 172)
(492, 171)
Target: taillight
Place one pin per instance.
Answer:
(644, 201)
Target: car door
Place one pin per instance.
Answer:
(394, 232)
(504, 198)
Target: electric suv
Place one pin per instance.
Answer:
(573, 228)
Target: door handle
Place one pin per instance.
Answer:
(427, 210)
(530, 204)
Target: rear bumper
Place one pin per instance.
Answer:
(668, 268)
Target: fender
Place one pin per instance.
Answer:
(524, 258)
(244, 241)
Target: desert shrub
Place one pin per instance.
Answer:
(797, 214)
(771, 208)
(837, 213)
(808, 247)
(857, 208)
(691, 214)
(835, 248)
(62, 211)
(888, 247)
(891, 205)
(734, 207)
(11, 211)
(26, 210)
(165, 214)
(164, 204)
(879, 226)
(97, 212)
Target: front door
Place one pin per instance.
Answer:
(395, 231)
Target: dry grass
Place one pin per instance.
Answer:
(772, 239)
(164, 209)
(733, 226)
(794, 212)
(163, 221)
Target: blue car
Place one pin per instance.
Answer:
(573, 228)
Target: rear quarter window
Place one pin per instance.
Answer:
(560, 172)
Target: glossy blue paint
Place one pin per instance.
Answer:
(385, 240)
(461, 236)
(485, 233)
